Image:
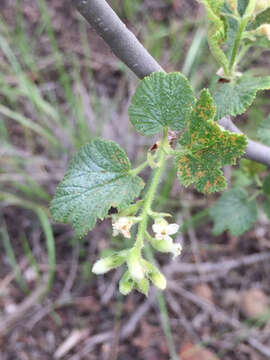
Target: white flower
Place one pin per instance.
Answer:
(163, 230)
(122, 226)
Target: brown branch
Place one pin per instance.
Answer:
(127, 47)
(121, 41)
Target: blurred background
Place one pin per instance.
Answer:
(60, 86)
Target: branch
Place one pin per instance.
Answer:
(122, 42)
(128, 48)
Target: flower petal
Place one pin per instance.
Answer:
(157, 228)
(172, 229)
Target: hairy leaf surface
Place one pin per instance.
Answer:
(235, 97)
(264, 131)
(98, 178)
(234, 212)
(207, 148)
(161, 100)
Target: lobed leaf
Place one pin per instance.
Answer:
(98, 178)
(161, 100)
(264, 131)
(207, 148)
(234, 212)
(235, 97)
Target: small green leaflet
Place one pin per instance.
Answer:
(241, 6)
(231, 29)
(234, 212)
(262, 18)
(161, 100)
(216, 30)
(98, 178)
(207, 148)
(235, 97)
(264, 131)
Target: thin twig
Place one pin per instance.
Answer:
(24, 309)
(125, 333)
(222, 266)
(219, 315)
(122, 42)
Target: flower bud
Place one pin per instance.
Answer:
(165, 246)
(134, 264)
(157, 278)
(126, 283)
(109, 262)
(142, 286)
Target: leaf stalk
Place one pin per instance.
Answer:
(146, 209)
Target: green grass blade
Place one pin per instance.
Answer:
(29, 255)
(50, 243)
(12, 259)
(10, 199)
(29, 124)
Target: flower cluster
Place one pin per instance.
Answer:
(140, 271)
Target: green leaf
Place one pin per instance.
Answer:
(97, 179)
(241, 6)
(207, 147)
(234, 212)
(216, 30)
(262, 18)
(266, 207)
(235, 97)
(266, 185)
(161, 100)
(251, 168)
(231, 30)
(264, 131)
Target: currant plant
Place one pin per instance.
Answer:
(100, 176)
